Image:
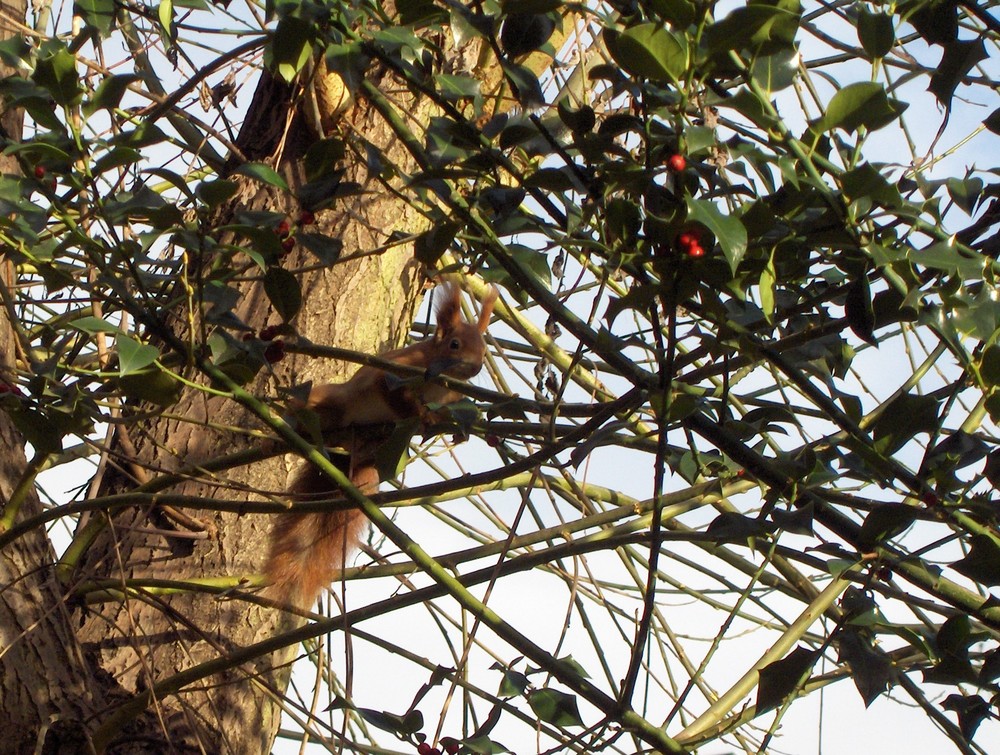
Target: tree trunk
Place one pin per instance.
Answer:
(367, 305)
(46, 687)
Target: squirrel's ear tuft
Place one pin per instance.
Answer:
(449, 308)
(488, 301)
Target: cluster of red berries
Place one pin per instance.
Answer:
(275, 350)
(9, 388)
(690, 244)
(448, 744)
(284, 230)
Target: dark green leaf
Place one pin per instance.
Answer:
(937, 22)
(94, 325)
(483, 746)
(755, 26)
(523, 33)
(992, 470)
(960, 57)
(902, 419)
(727, 229)
(990, 670)
(957, 451)
(513, 684)
(866, 181)
(555, 707)
(214, 193)
(859, 311)
(954, 636)
(776, 72)
(622, 222)
(282, 288)
(649, 51)
(501, 201)
(97, 14)
(57, 74)
(290, 47)
(38, 429)
(733, 527)
(798, 521)
(972, 710)
(133, 355)
(321, 193)
(982, 564)
(408, 724)
(871, 671)
(117, 158)
(154, 386)
(454, 87)
(393, 452)
(750, 105)
(322, 158)
(678, 13)
(577, 120)
(950, 259)
(263, 173)
(876, 33)
(951, 648)
(324, 248)
(780, 679)
(526, 86)
(532, 260)
(430, 245)
(15, 52)
(857, 105)
(992, 121)
(419, 13)
(965, 192)
(885, 522)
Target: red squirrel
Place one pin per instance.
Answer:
(308, 550)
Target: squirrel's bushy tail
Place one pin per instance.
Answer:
(309, 550)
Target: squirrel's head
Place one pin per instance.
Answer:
(460, 348)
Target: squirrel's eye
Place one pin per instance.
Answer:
(455, 344)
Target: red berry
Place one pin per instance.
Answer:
(275, 351)
(39, 172)
(492, 440)
(687, 239)
(676, 163)
(306, 218)
(246, 337)
(695, 250)
(423, 748)
(268, 333)
(288, 245)
(282, 228)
